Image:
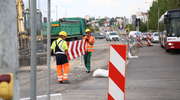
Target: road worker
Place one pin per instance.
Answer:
(60, 49)
(89, 49)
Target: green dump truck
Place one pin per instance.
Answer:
(75, 27)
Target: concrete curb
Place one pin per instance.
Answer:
(45, 97)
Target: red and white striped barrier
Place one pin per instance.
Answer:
(117, 66)
(76, 49)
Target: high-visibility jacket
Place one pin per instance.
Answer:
(59, 46)
(90, 40)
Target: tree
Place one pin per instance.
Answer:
(129, 27)
(163, 6)
(143, 27)
(153, 16)
(101, 21)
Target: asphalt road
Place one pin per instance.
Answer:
(155, 75)
(78, 75)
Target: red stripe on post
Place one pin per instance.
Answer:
(110, 97)
(121, 50)
(117, 77)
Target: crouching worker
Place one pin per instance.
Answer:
(60, 49)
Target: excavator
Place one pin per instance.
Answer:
(22, 32)
(23, 25)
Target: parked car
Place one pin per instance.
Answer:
(112, 36)
(155, 37)
(98, 36)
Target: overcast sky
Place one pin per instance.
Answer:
(102, 8)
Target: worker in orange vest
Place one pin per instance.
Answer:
(60, 49)
(90, 40)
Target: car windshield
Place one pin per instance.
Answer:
(156, 35)
(98, 34)
(113, 34)
(94, 34)
(175, 27)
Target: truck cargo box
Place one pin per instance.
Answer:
(73, 26)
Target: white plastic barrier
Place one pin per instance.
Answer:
(45, 97)
(100, 73)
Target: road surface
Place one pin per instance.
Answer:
(153, 76)
(78, 75)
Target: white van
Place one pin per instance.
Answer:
(155, 37)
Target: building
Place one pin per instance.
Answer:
(143, 16)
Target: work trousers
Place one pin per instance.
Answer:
(87, 60)
(63, 71)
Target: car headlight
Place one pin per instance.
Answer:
(170, 44)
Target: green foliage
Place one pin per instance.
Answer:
(93, 28)
(101, 21)
(129, 27)
(143, 27)
(163, 6)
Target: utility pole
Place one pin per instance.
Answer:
(146, 2)
(147, 22)
(137, 24)
(49, 49)
(158, 16)
(56, 12)
(33, 48)
(9, 42)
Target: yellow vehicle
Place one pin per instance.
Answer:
(6, 86)
(20, 16)
(22, 32)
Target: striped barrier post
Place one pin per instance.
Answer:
(117, 66)
(76, 49)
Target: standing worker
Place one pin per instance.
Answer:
(89, 49)
(60, 49)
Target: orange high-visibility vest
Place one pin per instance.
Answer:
(90, 42)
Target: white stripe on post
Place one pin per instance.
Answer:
(69, 50)
(79, 44)
(74, 49)
(83, 44)
(115, 91)
(117, 61)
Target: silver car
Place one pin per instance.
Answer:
(112, 36)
